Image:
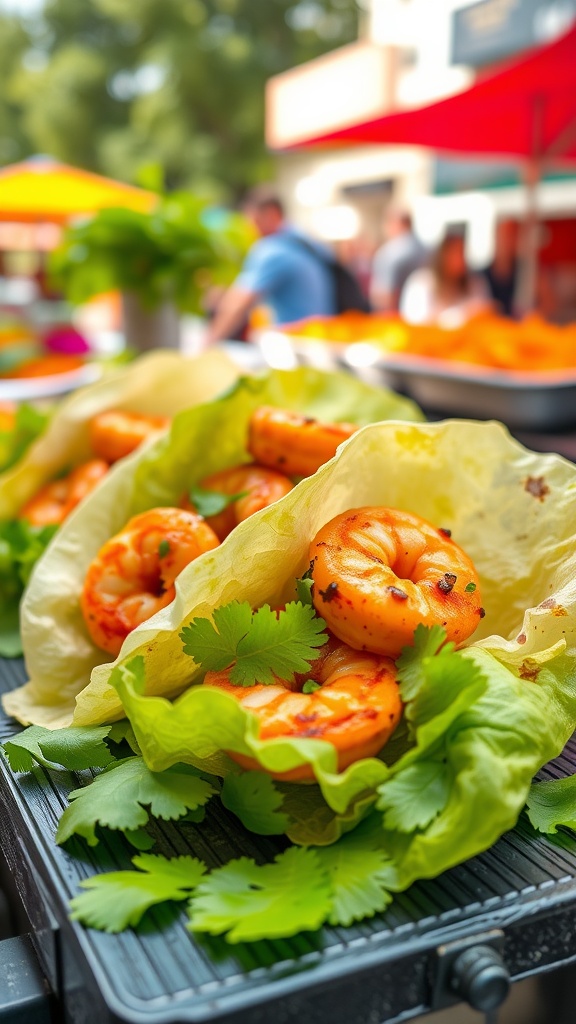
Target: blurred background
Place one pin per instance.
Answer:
(212, 97)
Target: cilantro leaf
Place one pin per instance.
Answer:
(415, 796)
(275, 900)
(261, 645)
(210, 503)
(434, 678)
(78, 747)
(355, 866)
(74, 748)
(23, 750)
(310, 686)
(553, 803)
(427, 643)
(253, 797)
(118, 899)
(118, 798)
(163, 548)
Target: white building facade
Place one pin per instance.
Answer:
(411, 52)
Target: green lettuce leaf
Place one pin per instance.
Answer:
(29, 423)
(21, 545)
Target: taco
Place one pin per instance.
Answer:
(479, 721)
(61, 463)
(60, 653)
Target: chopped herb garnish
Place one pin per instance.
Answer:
(164, 548)
(310, 686)
(261, 646)
(211, 503)
(470, 588)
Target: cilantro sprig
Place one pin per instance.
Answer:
(260, 646)
(73, 749)
(124, 797)
(211, 503)
(118, 899)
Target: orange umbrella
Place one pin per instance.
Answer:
(42, 190)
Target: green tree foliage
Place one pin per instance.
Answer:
(116, 85)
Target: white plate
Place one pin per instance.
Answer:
(26, 389)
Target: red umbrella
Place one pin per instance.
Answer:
(526, 109)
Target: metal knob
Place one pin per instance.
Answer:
(480, 977)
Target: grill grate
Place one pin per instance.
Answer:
(374, 971)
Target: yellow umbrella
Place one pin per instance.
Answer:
(42, 190)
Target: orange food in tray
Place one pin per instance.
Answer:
(487, 339)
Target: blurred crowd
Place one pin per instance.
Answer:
(294, 276)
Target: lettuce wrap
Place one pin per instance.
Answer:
(479, 722)
(60, 655)
(161, 383)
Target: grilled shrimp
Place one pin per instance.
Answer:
(291, 443)
(256, 487)
(54, 502)
(114, 433)
(379, 572)
(356, 708)
(133, 575)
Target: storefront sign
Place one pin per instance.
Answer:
(352, 84)
(492, 29)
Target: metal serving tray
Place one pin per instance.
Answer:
(521, 400)
(519, 897)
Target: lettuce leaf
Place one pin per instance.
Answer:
(21, 545)
(29, 423)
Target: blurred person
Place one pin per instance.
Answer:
(357, 255)
(502, 274)
(400, 255)
(284, 270)
(446, 292)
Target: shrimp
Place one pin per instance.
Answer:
(114, 433)
(54, 502)
(295, 444)
(133, 575)
(257, 486)
(356, 708)
(379, 572)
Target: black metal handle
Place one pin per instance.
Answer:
(480, 977)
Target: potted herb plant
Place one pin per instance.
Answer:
(162, 262)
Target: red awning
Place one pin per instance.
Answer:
(525, 109)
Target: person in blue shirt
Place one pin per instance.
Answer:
(284, 270)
